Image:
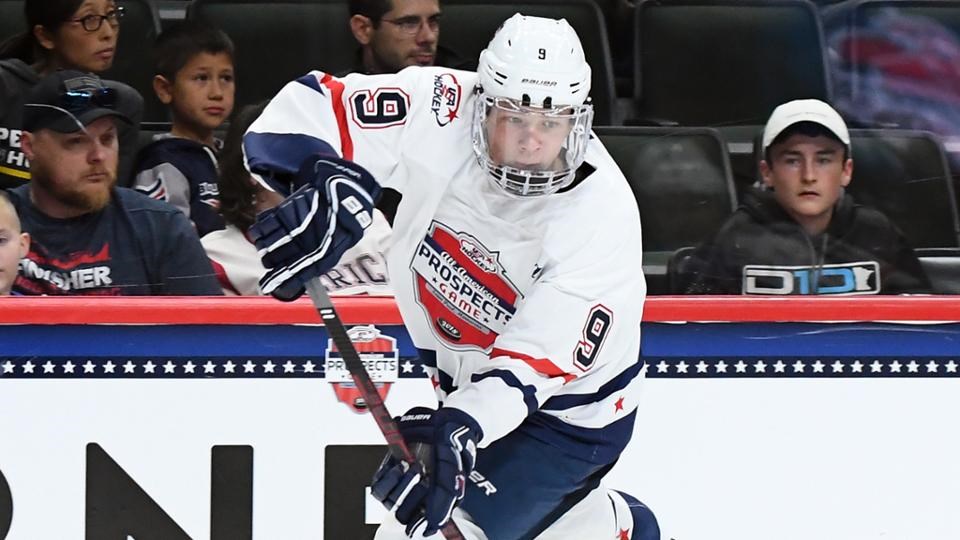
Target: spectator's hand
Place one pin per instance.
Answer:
(306, 235)
(425, 494)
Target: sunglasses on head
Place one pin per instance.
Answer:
(80, 100)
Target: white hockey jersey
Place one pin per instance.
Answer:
(361, 270)
(526, 310)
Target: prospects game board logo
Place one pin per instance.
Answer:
(380, 357)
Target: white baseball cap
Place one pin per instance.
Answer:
(804, 110)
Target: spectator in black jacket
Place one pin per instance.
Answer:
(60, 34)
(88, 236)
(805, 235)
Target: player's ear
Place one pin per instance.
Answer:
(163, 88)
(362, 28)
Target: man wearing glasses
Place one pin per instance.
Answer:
(394, 34)
(90, 237)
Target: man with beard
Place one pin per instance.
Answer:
(88, 236)
(394, 34)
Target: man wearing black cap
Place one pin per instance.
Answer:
(89, 236)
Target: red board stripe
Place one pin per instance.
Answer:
(382, 310)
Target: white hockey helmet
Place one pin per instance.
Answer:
(535, 73)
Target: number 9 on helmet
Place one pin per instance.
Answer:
(533, 116)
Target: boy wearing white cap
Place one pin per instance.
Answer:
(804, 234)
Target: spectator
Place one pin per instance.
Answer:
(362, 270)
(195, 78)
(88, 236)
(409, 37)
(14, 244)
(61, 34)
(806, 236)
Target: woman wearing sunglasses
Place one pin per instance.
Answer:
(60, 34)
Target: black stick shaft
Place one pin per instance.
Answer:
(376, 406)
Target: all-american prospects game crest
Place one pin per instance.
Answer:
(445, 103)
(380, 358)
(463, 288)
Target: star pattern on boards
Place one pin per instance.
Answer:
(618, 406)
(624, 534)
(684, 367)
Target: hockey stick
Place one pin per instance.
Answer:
(398, 446)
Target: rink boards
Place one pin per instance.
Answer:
(227, 418)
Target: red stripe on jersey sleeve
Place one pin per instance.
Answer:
(540, 365)
(336, 88)
(221, 273)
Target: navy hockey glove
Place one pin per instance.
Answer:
(306, 235)
(419, 498)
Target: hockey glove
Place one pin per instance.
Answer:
(306, 235)
(418, 498)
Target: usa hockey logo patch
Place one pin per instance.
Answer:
(380, 357)
(463, 289)
(445, 103)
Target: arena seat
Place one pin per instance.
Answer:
(904, 174)
(680, 270)
(11, 18)
(725, 62)
(682, 182)
(468, 25)
(942, 266)
(277, 42)
(149, 130)
(133, 64)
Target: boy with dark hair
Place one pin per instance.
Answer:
(195, 78)
(805, 235)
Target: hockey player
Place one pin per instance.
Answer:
(516, 263)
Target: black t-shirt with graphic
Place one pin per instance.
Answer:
(134, 246)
